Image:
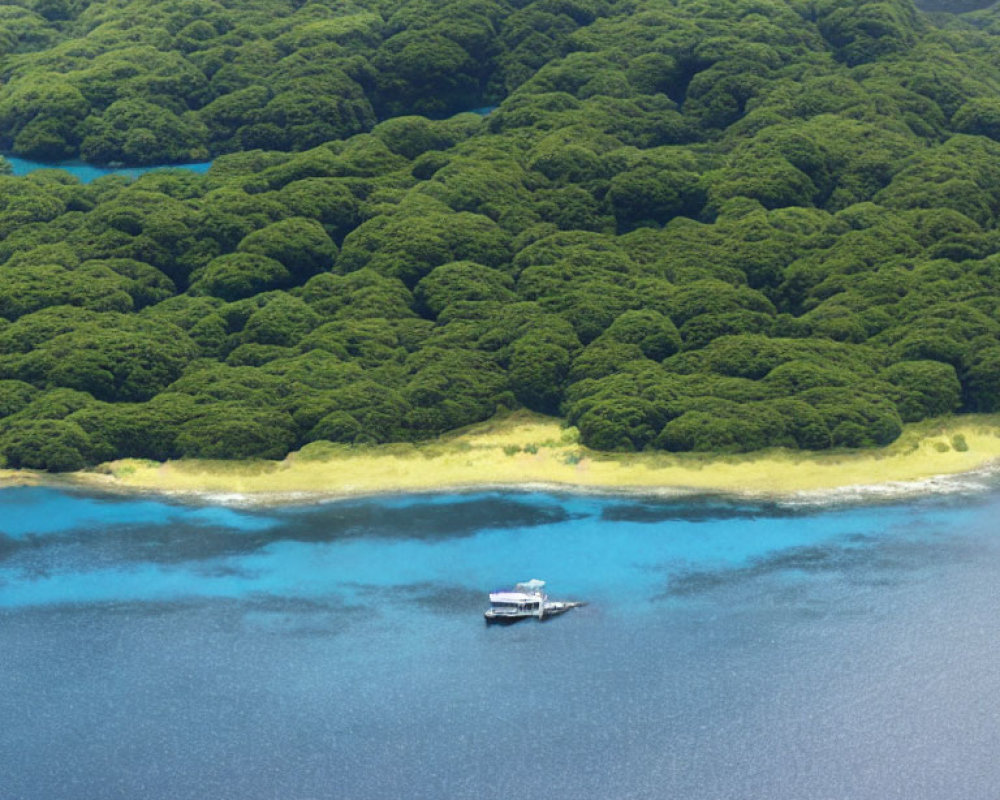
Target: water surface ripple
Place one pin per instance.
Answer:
(152, 649)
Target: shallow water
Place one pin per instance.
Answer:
(729, 650)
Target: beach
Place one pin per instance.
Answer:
(527, 450)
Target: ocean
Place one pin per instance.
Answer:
(828, 648)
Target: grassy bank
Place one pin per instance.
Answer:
(523, 449)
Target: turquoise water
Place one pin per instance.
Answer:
(89, 172)
(729, 650)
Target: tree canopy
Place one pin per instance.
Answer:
(715, 225)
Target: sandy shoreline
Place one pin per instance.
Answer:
(524, 451)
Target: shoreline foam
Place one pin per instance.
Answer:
(530, 452)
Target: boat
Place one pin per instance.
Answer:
(526, 600)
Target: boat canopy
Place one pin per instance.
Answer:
(534, 585)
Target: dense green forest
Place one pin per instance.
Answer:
(689, 225)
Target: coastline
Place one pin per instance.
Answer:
(526, 451)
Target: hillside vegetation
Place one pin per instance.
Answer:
(709, 225)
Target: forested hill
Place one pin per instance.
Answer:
(690, 224)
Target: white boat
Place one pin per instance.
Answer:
(526, 600)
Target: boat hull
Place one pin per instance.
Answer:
(506, 619)
(553, 610)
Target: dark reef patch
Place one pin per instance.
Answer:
(421, 519)
(859, 558)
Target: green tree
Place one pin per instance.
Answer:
(300, 245)
(537, 371)
(49, 444)
(231, 430)
(238, 275)
(461, 280)
(925, 388)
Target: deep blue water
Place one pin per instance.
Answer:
(88, 172)
(152, 649)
